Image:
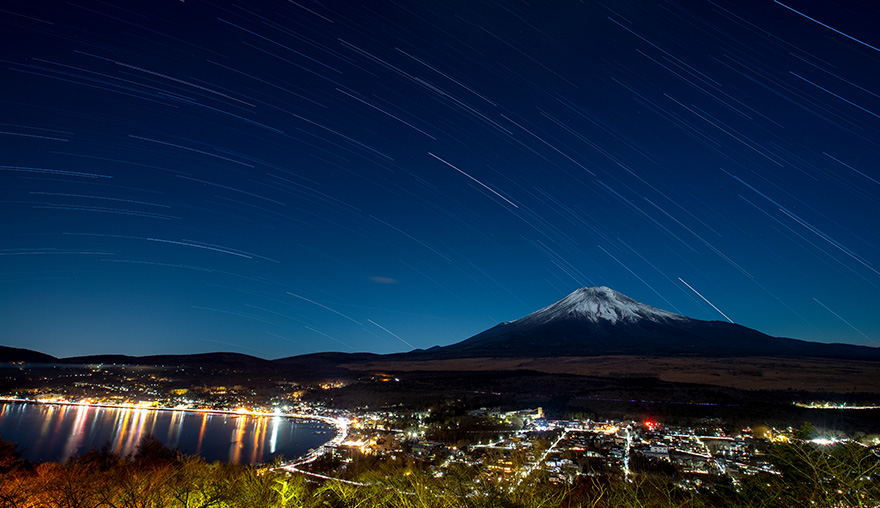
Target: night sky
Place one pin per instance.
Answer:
(285, 177)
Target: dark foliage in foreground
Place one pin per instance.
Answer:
(844, 475)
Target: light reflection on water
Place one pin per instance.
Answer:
(49, 432)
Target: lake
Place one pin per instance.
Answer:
(56, 432)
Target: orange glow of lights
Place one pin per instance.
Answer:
(202, 432)
(235, 443)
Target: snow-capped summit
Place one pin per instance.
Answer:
(597, 304)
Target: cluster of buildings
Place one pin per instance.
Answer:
(148, 386)
(521, 442)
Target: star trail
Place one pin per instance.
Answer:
(278, 178)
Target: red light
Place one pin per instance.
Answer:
(651, 424)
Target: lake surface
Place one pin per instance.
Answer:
(56, 432)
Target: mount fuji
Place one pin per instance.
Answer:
(598, 321)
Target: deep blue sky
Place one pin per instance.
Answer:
(283, 177)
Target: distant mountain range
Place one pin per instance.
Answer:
(15, 355)
(591, 321)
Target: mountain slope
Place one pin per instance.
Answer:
(599, 321)
(15, 355)
(598, 304)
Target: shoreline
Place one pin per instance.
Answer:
(339, 425)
